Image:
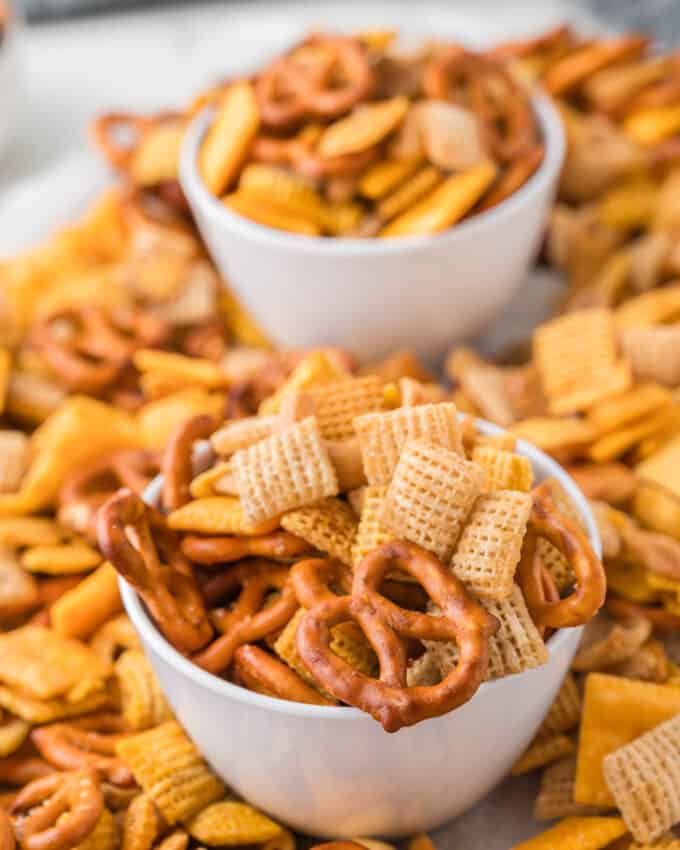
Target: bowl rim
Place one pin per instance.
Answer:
(210, 207)
(183, 667)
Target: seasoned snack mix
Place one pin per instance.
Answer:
(345, 535)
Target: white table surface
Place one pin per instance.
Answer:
(150, 60)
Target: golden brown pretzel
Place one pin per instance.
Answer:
(223, 549)
(489, 89)
(119, 134)
(248, 619)
(291, 90)
(660, 619)
(259, 671)
(301, 157)
(387, 626)
(591, 584)
(19, 769)
(88, 347)
(311, 580)
(57, 812)
(513, 178)
(177, 465)
(84, 492)
(89, 742)
(155, 566)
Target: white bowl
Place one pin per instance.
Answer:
(334, 771)
(373, 296)
(10, 83)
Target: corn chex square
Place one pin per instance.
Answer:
(371, 533)
(170, 769)
(43, 665)
(330, 526)
(516, 646)
(505, 469)
(336, 405)
(287, 470)
(382, 435)
(578, 360)
(431, 496)
(490, 544)
(644, 779)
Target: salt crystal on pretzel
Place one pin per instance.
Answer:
(555, 798)
(431, 496)
(505, 469)
(330, 526)
(577, 358)
(288, 470)
(543, 750)
(490, 543)
(516, 646)
(171, 770)
(382, 435)
(644, 779)
(337, 404)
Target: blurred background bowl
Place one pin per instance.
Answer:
(373, 296)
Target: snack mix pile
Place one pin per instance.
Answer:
(346, 535)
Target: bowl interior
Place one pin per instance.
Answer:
(210, 206)
(543, 467)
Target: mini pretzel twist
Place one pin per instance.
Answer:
(19, 770)
(89, 742)
(660, 619)
(88, 347)
(291, 90)
(155, 566)
(223, 549)
(249, 618)
(84, 492)
(57, 812)
(387, 626)
(488, 88)
(177, 466)
(119, 134)
(261, 672)
(312, 579)
(589, 593)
